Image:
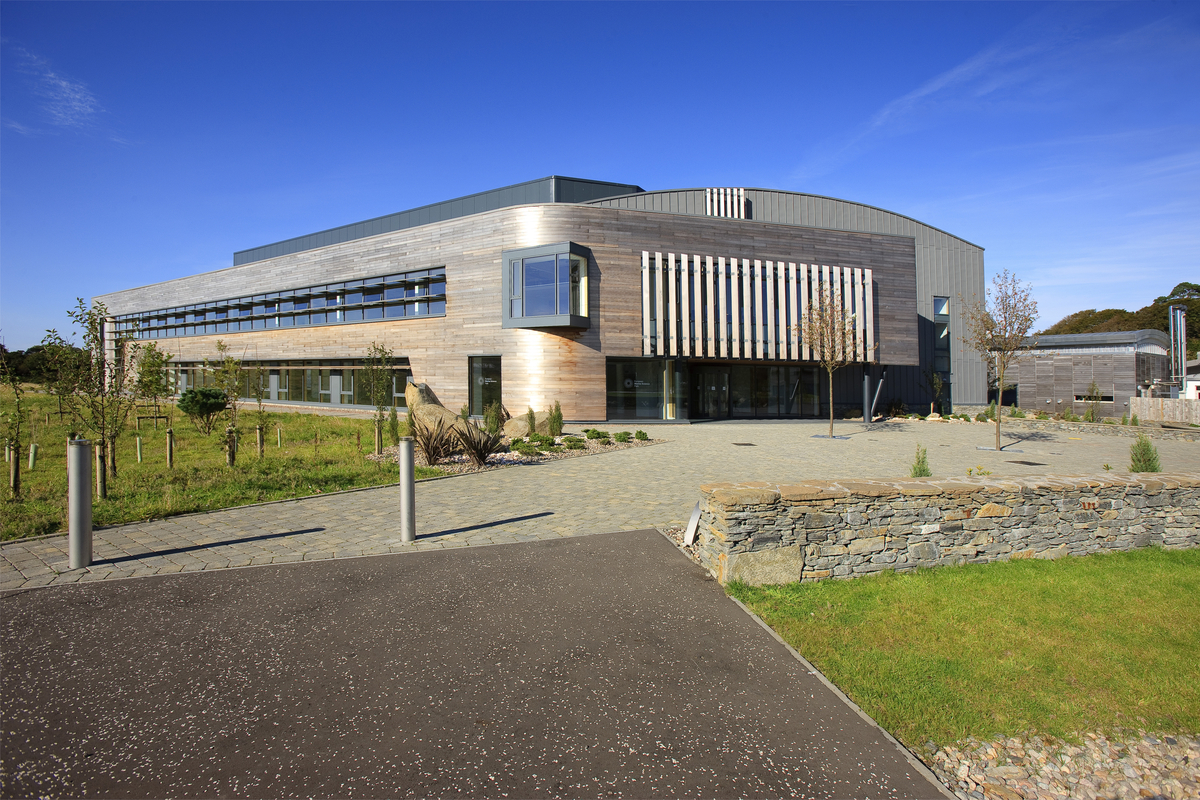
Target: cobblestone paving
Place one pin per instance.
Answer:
(649, 487)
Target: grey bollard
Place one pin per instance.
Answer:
(79, 502)
(408, 505)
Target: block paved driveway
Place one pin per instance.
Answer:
(605, 665)
(625, 490)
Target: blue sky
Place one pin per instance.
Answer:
(142, 142)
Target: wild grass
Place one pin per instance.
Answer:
(319, 454)
(1106, 642)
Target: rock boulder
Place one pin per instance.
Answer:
(518, 426)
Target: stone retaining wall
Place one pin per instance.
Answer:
(778, 533)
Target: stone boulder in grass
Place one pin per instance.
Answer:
(519, 425)
(424, 406)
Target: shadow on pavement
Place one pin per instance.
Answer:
(484, 525)
(209, 546)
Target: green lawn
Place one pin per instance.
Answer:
(1053, 647)
(200, 480)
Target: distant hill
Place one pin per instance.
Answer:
(1151, 317)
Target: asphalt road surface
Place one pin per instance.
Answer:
(596, 666)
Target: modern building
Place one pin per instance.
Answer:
(1058, 374)
(617, 302)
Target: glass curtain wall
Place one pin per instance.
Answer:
(651, 388)
(299, 382)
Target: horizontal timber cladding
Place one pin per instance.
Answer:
(539, 366)
(695, 307)
(946, 266)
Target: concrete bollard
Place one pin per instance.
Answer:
(408, 505)
(79, 502)
(33, 454)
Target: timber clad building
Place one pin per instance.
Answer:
(617, 302)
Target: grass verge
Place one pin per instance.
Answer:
(1102, 643)
(319, 454)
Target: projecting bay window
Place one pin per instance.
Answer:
(546, 287)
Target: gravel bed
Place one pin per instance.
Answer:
(1130, 766)
(460, 464)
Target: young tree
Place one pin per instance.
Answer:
(227, 376)
(377, 376)
(153, 381)
(998, 326)
(827, 328)
(101, 396)
(13, 421)
(260, 384)
(936, 385)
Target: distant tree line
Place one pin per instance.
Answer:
(1151, 317)
(36, 364)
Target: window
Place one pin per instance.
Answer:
(544, 287)
(941, 334)
(485, 383)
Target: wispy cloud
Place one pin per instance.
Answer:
(1032, 69)
(65, 102)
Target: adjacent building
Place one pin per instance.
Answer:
(1067, 372)
(617, 302)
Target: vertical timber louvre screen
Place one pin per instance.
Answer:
(717, 307)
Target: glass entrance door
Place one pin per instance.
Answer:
(485, 383)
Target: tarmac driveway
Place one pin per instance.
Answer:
(604, 665)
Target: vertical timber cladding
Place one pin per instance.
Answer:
(765, 325)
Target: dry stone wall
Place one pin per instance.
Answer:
(778, 533)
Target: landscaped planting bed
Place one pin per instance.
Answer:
(566, 446)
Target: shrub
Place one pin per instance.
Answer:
(556, 420)
(531, 421)
(1090, 414)
(1143, 455)
(525, 448)
(437, 440)
(991, 411)
(203, 406)
(622, 436)
(477, 443)
(920, 466)
(541, 439)
(1016, 413)
(1125, 419)
(592, 433)
(572, 443)
(393, 426)
(1043, 415)
(895, 408)
(1134, 421)
(493, 417)
(641, 436)
(572, 440)
(554, 449)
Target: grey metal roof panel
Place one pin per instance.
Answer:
(1144, 336)
(553, 188)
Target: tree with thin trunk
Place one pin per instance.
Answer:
(102, 395)
(827, 329)
(998, 326)
(153, 381)
(376, 374)
(13, 422)
(227, 376)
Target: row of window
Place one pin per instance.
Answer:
(311, 383)
(409, 294)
